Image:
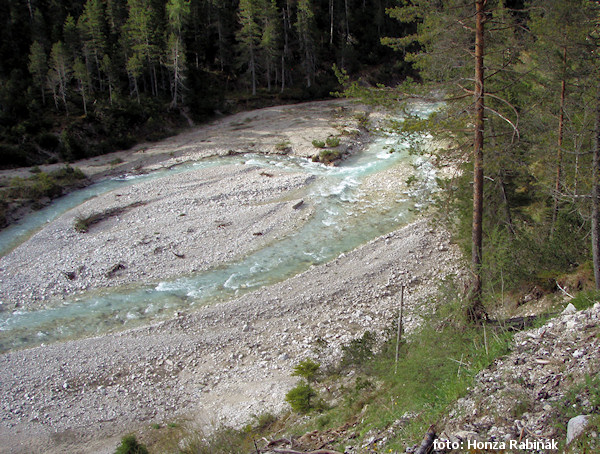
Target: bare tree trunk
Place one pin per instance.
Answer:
(253, 71)
(286, 18)
(476, 311)
(331, 22)
(347, 22)
(561, 122)
(596, 196)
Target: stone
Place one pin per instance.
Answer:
(570, 309)
(576, 426)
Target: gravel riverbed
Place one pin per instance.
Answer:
(222, 363)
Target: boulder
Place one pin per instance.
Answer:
(576, 426)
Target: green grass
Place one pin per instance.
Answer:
(586, 299)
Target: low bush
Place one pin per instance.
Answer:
(332, 141)
(130, 445)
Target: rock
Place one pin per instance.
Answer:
(576, 426)
(570, 309)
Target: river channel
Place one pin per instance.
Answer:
(348, 213)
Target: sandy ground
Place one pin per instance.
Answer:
(226, 362)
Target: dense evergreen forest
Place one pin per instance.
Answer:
(80, 78)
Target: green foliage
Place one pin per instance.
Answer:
(318, 143)
(359, 351)
(301, 398)
(307, 369)
(283, 145)
(328, 156)
(130, 445)
(332, 141)
(42, 185)
(586, 299)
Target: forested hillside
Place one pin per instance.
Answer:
(520, 85)
(80, 78)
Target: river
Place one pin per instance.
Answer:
(349, 212)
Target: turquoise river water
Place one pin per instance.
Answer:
(349, 211)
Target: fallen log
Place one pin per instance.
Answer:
(427, 443)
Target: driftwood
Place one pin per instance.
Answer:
(427, 443)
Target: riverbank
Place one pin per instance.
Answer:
(218, 365)
(287, 129)
(222, 363)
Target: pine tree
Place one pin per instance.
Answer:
(304, 25)
(93, 28)
(59, 74)
(249, 37)
(141, 33)
(269, 43)
(178, 12)
(469, 51)
(83, 80)
(38, 67)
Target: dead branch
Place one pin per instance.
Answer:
(564, 291)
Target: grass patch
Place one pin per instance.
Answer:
(283, 146)
(586, 299)
(318, 143)
(116, 162)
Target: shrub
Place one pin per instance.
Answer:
(328, 156)
(300, 397)
(306, 369)
(358, 351)
(130, 445)
(283, 146)
(318, 143)
(332, 141)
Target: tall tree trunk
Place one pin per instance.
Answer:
(253, 71)
(561, 127)
(286, 18)
(347, 22)
(331, 22)
(476, 311)
(596, 195)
